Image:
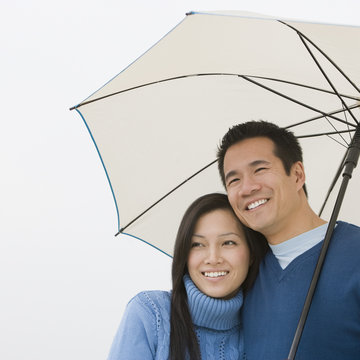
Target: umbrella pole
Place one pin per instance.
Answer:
(350, 163)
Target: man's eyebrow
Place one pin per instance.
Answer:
(230, 174)
(259, 162)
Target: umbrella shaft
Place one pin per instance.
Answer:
(350, 163)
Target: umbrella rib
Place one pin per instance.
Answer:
(129, 89)
(325, 134)
(333, 126)
(204, 74)
(326, 76)
(323, 53)
(322, 116)
(332, 185)
(302, 85)
(348, 126)
(340, 143)
(165, 196)
(292, 99)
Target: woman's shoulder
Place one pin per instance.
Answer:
(145, 327)
(152, 300)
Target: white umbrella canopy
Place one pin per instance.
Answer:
(160, 120)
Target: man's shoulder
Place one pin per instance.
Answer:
(349, 229)
(345, 244)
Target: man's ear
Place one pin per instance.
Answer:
(299, 173)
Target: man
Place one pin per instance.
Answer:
(261, 167)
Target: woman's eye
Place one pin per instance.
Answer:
(196, 244)
(229, 242)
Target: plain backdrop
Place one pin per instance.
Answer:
(64, 278)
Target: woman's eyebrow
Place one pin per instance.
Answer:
(230, 233)
(198, 235)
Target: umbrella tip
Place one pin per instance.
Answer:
(190, 13)
(120, 231)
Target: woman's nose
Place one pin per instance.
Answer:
(214, 256)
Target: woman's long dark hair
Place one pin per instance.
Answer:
(183, 339)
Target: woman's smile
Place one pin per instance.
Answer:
(219, 258)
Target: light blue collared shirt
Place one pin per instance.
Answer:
(288, 250)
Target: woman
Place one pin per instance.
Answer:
(215, 260)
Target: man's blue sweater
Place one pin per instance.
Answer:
(273, 306)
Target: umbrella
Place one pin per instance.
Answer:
(157, 124)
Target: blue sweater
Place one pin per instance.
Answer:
(272, 308)
(144, 332)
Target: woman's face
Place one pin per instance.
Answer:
(219, 258)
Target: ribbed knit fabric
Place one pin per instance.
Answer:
(144, 332)
(212, 313)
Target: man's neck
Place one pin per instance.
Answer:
(306, 221)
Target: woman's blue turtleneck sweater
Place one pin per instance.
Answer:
(144, 332)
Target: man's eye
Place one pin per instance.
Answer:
(232, 181)
(260, 169)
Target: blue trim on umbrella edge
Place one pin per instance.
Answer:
(135, 237)
(112, 191)
(102, 162)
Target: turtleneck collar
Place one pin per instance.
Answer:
(210, 312)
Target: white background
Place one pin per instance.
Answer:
(64, 278)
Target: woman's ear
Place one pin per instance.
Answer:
(251, 261)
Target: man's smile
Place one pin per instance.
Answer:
(256, 204)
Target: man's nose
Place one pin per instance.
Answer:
(248, 186)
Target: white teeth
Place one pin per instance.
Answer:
(256, 204)
(215, 274)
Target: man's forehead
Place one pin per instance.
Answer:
(252, 149)
(252, 141)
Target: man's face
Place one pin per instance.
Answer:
(262, 195)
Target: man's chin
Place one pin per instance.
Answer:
(255, 226)
(248, 224)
